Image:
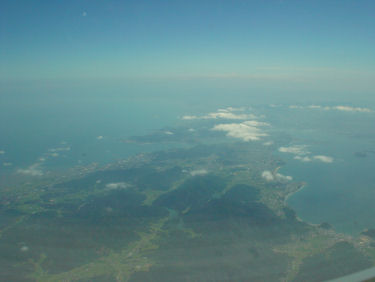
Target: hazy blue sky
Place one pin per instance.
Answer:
(330, 41)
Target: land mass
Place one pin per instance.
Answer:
(192, 214)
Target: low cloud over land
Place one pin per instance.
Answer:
(116, 185)
(247, 131)
(33, 170)
(198, 172)
(275, 177)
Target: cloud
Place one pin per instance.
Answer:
(54, 152)
(337, 108)
(24, 248)
(303, 155)
(267, 175)
(7, 164)
(247, 131)
(231, 109)
(296, 150)
(314, 107)
(2, 152)
(295, 107)
(99, 137)
(60, 149)
(198, 172)
(324, 159)
(221, 115)
(190, 117)
(278, 177)
(33, 170)
(351, 109)
(268, 143)
(117, 185)
(226, 113)
(303, 158)
(168, 132)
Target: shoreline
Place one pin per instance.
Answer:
(301, 186)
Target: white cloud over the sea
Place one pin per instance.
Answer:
(351, 109)
(60, 149)
(33, 170)
(270, 176)
(324, 159)
(296, 150)
(227, 113)
(337, 108)
(304, 155)
(247, 130)
(2, 152)
(303, 158)
(268, 143)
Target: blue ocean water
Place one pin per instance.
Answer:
(68, 130)
(341, 193)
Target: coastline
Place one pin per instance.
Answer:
(301, 186)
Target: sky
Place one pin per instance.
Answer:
(329, 43)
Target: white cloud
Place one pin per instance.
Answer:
(117, 185)
(60, 149)
(338, 108)
(168, 132)
(351, 109)
(281, 177)
(189, 117)
(7, 164)
(99, 137)
(303, 158)
(314, 107)
(247, 131)
(324, 159)
(256, 123)
(295, 107)
(303, 155)
(270, 177)
(33, 170)
(267, 175)
(296, 150)
(198, 172)
(231, 109)
(268, 143)
(2, 152)
(226, 113)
